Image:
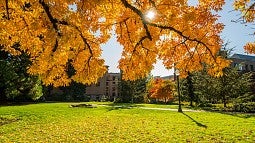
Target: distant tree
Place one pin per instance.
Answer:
(226, 88)
(162, 89)
(204, 88)
(133, 91)
(232, 84)
(15, 83)
(187, 89)
(75, 92)
(190, 88)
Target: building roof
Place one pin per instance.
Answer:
(165, 77)
(114, 73)
(243, 57)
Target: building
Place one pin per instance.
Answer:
(107, 88)
(170, 77)
(244, 63)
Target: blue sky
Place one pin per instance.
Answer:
(236, 33)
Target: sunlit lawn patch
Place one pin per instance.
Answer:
(57, 122)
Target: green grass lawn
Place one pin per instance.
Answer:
(57, 122)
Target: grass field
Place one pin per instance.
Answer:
(57, 122)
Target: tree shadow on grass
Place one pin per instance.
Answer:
(4, 121)
(199, 124)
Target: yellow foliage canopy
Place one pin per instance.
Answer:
(247, 9)
(56, 33)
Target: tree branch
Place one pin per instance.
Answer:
(86, 43)
(55, 46)
(153, 3)
(128, 31)
(140, 14)
(47, 10)
(182, 35)
(141, 40)
(146, 23)
(137, 44)
(53, 20)
(7, 9)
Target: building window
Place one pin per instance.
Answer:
(107, 83)
(240, 67)
(113, 77)
(98, 84)
(113, 82)
(108, 77)
(246, 67)
(113, 88)
(252, 68)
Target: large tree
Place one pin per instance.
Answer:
(55, 32)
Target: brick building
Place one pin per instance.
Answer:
(244, 63)
(107, 88)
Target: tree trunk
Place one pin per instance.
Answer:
(223, 90)
(190, 88)
(191, 103)
(3, 98)
(224, 100)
